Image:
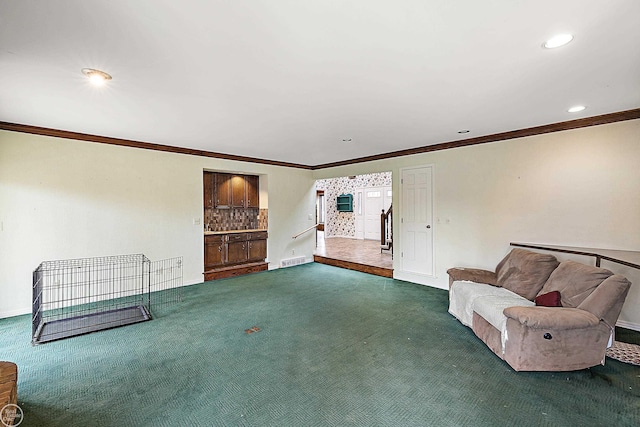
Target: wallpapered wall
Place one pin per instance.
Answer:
(343, 224)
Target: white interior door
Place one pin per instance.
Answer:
(373, 203)
(416, 221)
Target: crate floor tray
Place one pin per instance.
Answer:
(87, 323)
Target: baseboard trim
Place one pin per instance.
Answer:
(234, 270)
(420, 279)
(628, 325)
(277, 266)
(16, 312)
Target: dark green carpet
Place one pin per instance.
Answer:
(336, 348)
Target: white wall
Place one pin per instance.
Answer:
(62, 199)
(577, 188)
(66, 199)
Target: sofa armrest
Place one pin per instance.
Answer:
(559, 318)
(473, 275)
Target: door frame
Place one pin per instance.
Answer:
(358, 207)
(398, 272)
(319, 207)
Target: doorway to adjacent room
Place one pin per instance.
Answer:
(350, 233)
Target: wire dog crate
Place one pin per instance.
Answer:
(79, 296)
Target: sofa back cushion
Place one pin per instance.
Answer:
(575, 281)
(524, 272)
(606, 301)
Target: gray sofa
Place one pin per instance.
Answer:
(500, 307)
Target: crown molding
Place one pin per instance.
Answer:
(36, 130)
(520, 133)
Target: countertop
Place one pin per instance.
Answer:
(251, 230)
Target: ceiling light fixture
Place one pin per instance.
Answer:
(576, 109)
(96, 77)
(557, 41)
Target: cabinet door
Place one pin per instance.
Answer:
(208, 186)
(215, 252)
(253, 199)
(237, 252)
(257, 250)
(238, 191)
(223, 190)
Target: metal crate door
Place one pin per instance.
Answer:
(165, 283)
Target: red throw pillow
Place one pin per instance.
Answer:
(550, 299)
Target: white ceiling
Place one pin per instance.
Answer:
(287, 80)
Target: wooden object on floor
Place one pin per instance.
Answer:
(235, 270)
(366, 252)
(378, 271)
(8, 387)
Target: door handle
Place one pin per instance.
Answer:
(428, 226)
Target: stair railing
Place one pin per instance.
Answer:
(304, 231)
(386, 227)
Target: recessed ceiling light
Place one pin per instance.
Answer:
(557, 41)
(464, 131)
(96, 77)
(576, 109)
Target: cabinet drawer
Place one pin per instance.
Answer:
(237, 237)
(258, 235)
(214, 238)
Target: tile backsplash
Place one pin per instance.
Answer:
(263, 221)
(236, 219)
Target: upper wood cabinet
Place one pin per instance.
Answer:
(252, 191)
(222, 190)
(209, 193)
(225, 190)
(238, 192)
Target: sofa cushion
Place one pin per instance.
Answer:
(606, 301)
(552, 318)
(550, 299)
(525, 272)
(471, 274)
(462, 296)
(575, 281)
(491, 307)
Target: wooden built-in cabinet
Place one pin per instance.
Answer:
(225, 190)
(237, 248)
(257, 250)
(222, 190)
(252, 191)
(238, 192)
(233, 254)
(215, 251)
(209, 183)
